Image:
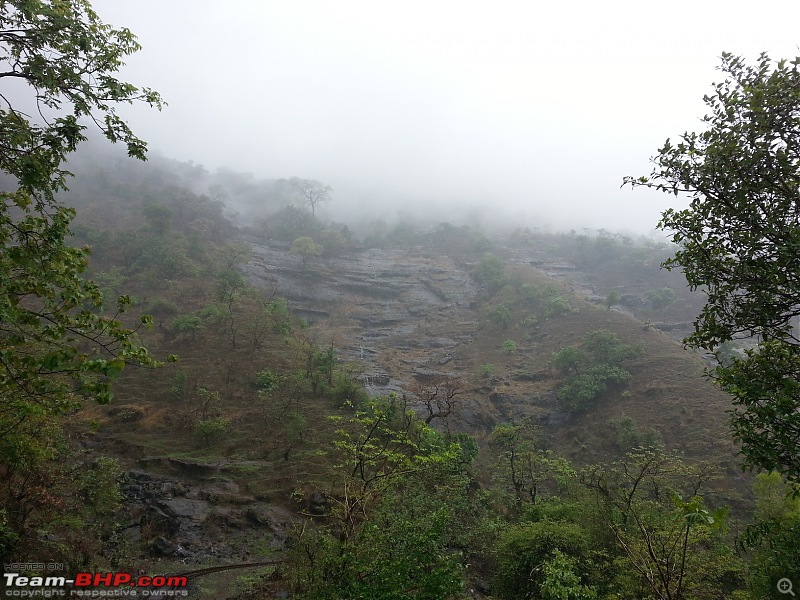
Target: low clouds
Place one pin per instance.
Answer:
(537, 110)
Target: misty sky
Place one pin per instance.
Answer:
(535, 110)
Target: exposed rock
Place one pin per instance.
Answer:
(162, 547)
(196, 510)
(157, 522)
(317, 503)
(557, 419)
(187, 526)
(185, 467)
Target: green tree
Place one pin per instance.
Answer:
(55, 343)
(48, 312)
(522, 467)
(606, 348)
(560, 581)
(509, 346)
(661, 297)
(773, 540)
(567, 360)
(612, 299)
(525, 550)
(390, 531)
(188, 324)
(739, 241)
(675, 546)
(490, 273)
(306, 248)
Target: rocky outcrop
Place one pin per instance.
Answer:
(198, 521)
(383, 301)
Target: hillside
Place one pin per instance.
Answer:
(230, 454)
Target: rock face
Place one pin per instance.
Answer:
(198, 521)
(386, 301)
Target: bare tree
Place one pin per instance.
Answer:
(438, 395)
(314, 193)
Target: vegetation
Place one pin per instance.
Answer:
(483, 477)
(739, 242)
(306, 248)
(590, 369)
(56, 341)
(313, 192)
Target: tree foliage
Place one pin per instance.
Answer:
(674, 546)
(774, 539)
(525, 550)
(740, 243)
(590, 369)
(56, 343)
(51, 332)
(306, 248)
(391, 529)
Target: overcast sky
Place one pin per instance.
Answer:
(533, 109)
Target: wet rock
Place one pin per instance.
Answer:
(184, 508)
(157, 522)
(185, 467)
(162, 547)
(317, 503)
(557, 419)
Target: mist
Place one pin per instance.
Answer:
(515, 111)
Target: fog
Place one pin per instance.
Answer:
(525, 111)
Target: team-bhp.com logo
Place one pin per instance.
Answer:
(95, 585)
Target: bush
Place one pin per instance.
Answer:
(579, 392)
(661, 297)
(612, 299)
(289, 223)
(606, 348)
(567, 360)
(509, 346)
(557, 306)
(490, 273)
(211, 430)
(499, 315)
(162, 308)
(523, 550)
(630, 436)
(187, 324)
(486, 370)
(347, 389)
(266, 380)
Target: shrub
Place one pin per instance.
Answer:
(490, 273)
(509, 346)
(612, 298)
(523, 551)
(499, 315)
(486, 370)
(578, 393)
(605, 347)
(630, 436)
(211, 430)
(162, 308)
(567, 360)
(661, 297)
(266, 380)
(289, 223)
(187, 324)
(557, 306)
(179, 385)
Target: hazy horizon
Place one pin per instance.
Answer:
(535, 112)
